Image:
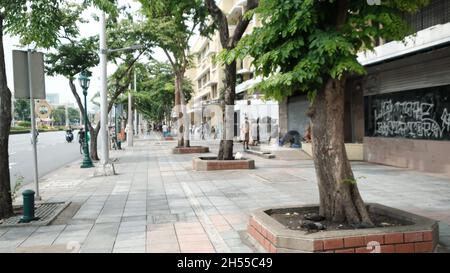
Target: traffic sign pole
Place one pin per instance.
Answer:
(33, 127)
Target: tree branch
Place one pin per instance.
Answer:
(242, 24)
(169, 57)
(342, 11)
(78, 99)
(220, 18)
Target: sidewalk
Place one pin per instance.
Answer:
(157, 203)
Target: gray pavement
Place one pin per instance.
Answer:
(157, 203)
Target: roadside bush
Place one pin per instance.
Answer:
(26, 124)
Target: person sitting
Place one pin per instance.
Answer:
(293, 137)
(308, 135)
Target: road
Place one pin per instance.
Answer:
(53, 153)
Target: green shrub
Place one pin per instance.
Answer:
(24, 124)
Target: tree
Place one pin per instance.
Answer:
(36, 22)
(22, 109)
(69, 60)
(229, 42)
(74, 56)
(156, 95)
(311, 46)
(74, 115)
(59, 115)
(173, 23)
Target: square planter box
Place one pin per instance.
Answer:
(212, 164)
(190, 150)
(422, 235)
(169, 138)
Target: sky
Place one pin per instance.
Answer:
(60, 84)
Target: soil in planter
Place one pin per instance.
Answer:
(308, 219)
(215, 158)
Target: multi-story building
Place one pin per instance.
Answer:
(52, 98)
(207, 78)
(400, 110)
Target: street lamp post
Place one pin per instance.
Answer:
(84, 83)
(104, 160)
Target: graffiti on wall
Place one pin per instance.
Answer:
(413, 119)
(420, 114)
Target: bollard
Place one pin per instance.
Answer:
(28, 206)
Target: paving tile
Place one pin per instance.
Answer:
(163, 248)
(41, 238)
(102, 236)
(147, 198)
(134, 249)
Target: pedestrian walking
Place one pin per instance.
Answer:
(246, 132)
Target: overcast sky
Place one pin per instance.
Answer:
(60, 84)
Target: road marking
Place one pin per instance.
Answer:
(213, 233)
(12, 164)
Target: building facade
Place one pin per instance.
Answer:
(207, 78)
(406, 96)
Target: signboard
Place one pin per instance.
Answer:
(43, 110)
(20, 70)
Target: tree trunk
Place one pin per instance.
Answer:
(94, 137)
(6, 208)
(180, 108)
(340, 200)
(93, 147)
(226, 144)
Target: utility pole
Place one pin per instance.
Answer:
(13, 115)
(104, 158)
(67, 115)
(33, 127)
(130, 133)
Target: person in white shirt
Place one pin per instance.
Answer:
(246, 131)
(165, 130)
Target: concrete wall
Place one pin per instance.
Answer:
(422, 155)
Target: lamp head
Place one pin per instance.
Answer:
(84, 80)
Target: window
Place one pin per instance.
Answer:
(214, 91)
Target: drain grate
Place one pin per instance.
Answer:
(46, 212)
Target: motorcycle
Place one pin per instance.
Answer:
(69, 136)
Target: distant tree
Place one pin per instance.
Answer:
(173, 23)
(59, 116)
(74, 115)
(311, 46)
(69, 60)
(74, 56)
(22, 109)
(156, 95)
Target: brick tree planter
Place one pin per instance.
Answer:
(169, 138)
(212, 164)
(419, 237)
(190, 150)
